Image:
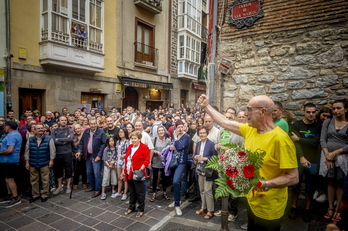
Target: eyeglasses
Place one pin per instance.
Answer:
(251, 108)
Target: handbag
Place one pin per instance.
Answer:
(138, 175)
(202, 170)
(174, 161)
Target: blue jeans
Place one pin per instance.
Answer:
(94, 173)
(310, 178)
(179, 172)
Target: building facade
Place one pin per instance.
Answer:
(296, 53)
(64, 54)
(3, 50)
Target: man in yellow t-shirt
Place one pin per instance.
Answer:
(266, 207)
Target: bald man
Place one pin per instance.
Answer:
(266, 207)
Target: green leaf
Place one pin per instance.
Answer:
(213, 163)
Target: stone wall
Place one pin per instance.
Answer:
(294, 61)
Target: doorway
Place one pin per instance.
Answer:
(131, 98)
(30, 98)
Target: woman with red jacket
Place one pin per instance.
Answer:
(137, 158)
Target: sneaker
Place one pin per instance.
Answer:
(218, 213)
(171, 205)
(58, 190)
(178, 211)
(53, 189)
(293, 213)
(118, 195)
(322, 198)
(244, 226)
(5, 200)
(68, 190)
(124, 197)
(113, 195)
(12, 203)
(103, 196)
(315, 195)
(307, 215)
(232, 217)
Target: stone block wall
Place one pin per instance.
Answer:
(296, 53)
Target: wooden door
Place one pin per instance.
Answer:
(30, 98)
(131, 98)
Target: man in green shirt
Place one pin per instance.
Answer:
(277, 117)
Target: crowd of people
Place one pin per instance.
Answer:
(136, 152)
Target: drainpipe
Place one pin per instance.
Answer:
(8, 59)
(213, 53)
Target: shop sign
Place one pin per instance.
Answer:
(145, 85)
(245, 13)
(199, 87)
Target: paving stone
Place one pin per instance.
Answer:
(50, 218)
(122, 222)
(35, 226)
(9, 215)
(67, 202)
(80, 207)
(81, 218)
(105, 226)
(93, 212)
(36, 212)
(71, 214)
(3, 226)
(84, 228)
(20, 222)
(107, 217)
(90, 222)
(156, 213)
(65, 224)
(151, 221)
(135, 227)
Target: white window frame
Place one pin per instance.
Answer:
(63, 34)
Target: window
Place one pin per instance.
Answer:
(79, 10)
(145, 51)
(62, 20)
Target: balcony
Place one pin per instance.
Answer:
(153, 6)
(64, 50)
(146, 56)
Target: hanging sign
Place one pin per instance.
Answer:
(245, 13)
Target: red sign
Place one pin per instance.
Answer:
(245, 10)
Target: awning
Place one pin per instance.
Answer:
(200, 87)
(131, 82)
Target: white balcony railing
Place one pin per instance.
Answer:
(67, 51)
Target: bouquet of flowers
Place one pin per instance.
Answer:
(239, 170)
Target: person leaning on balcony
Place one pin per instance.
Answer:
(74, 35)
(83, 35)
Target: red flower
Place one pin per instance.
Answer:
(223, 158)
(231, 171)
(258, 185)
(242, 156)
(248, 170)
(230, 183)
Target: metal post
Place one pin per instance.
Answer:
(224, 214)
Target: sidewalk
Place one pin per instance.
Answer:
(85, 213)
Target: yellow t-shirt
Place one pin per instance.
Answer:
(280, 154)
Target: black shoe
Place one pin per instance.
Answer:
(12, 203)
(43, 199)
(293, 213)
(194, 199)
(33, 199)
(307, 215)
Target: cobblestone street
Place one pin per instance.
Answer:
(85, 213)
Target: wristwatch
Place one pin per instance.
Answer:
(265, 189)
